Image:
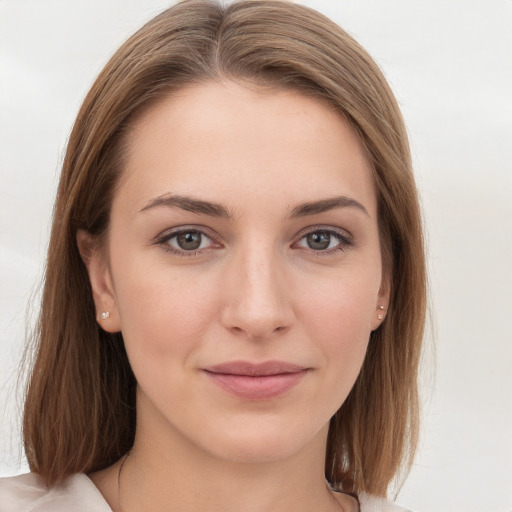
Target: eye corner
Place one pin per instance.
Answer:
(329, 240)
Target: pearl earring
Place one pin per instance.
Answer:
(105, 315)
(380, 316)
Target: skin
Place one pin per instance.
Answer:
(255, 290)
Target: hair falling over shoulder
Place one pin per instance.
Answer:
(80, 406)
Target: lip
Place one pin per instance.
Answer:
(256, 381)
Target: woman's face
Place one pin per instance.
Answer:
(243, 268)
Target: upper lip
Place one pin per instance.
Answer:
(255, 369)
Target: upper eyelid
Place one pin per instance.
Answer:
(322, 227)
(170, 232)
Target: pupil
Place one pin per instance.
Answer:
(319, 240)
(189, 241)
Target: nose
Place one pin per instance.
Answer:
(256, 295)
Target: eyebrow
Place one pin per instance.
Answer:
(217, 210)
(324, 205)
(189, 204)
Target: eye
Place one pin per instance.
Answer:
(186, 241)
(324, 240)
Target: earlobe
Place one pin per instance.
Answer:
(382, 304)
(101, 281)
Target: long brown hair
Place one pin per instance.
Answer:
(80, 405)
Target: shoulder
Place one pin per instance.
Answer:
(27, 493)
(371, 503)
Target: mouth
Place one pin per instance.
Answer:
(256, 381)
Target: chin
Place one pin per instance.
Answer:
(263, 443)
(248, 433)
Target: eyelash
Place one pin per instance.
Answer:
(162, 240)
(345, 241)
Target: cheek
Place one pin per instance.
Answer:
(162, 312)
(342, 303)
(338, 315)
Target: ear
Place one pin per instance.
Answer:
(382, 303)
(103, 293)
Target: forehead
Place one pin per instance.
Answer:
(240, 142)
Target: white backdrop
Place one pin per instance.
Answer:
(450, 64)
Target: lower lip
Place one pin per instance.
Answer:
(262, 387)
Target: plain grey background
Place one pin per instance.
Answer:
(450, 65)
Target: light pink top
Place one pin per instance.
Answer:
(27, 493)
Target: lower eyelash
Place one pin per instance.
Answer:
(169, 249)
(344, 242)
(162, 242)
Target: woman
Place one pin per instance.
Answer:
(235, 289)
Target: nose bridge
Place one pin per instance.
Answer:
(257, 302)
